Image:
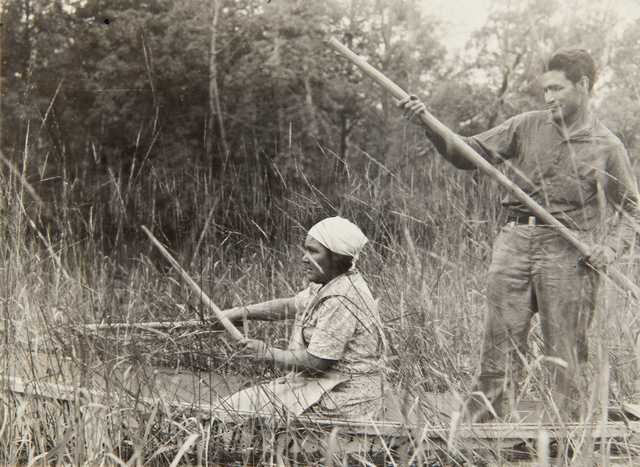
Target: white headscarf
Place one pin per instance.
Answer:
(339, 235)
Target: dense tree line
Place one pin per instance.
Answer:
(232, 113)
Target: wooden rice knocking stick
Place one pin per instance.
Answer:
(228, 325)
(144, 325)
(455, 141)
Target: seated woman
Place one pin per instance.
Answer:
(337, 333)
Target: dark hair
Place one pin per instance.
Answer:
(342, 262)
(575, 63)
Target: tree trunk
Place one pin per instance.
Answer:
(344, 134)
(215, 112)
(313, 122)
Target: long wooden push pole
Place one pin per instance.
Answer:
(455, 141)
(228, 325)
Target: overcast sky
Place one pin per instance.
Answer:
(461, 17)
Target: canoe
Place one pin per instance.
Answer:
(252, 439)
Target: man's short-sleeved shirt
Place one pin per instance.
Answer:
(339, 321)
(567, 174)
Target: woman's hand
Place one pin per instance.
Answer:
(257, 349)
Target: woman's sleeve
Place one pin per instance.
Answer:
(301, 299)
(335, 326)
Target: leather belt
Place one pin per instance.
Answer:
(526, 220)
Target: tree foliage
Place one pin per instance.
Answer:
(112, 102)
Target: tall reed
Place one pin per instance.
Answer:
(71, 262)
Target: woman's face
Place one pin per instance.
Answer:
(318, 261)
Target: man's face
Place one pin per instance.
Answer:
(563, 98)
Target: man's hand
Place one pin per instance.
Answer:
(600, 257)
(257, 349)
(411, 108)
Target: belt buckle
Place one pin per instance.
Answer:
(532, 220)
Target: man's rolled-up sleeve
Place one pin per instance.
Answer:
(494, 145)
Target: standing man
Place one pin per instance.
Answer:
(572, 165)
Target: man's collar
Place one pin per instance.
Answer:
(585, 127)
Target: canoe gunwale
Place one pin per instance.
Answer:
(379, 428)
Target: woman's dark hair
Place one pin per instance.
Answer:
(575, 63)
(342, 262)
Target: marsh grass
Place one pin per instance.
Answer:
(67, 262)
